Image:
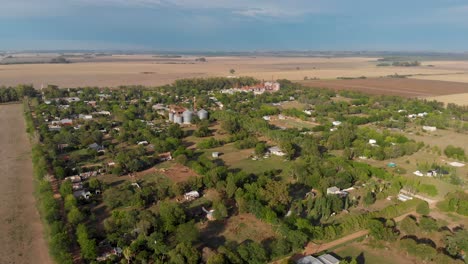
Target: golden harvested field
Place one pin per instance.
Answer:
(460, 99)
(393, 86)
(148, 70)
(21, 231)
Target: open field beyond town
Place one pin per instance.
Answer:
(152, 70)
(396, 86)
(21, 229)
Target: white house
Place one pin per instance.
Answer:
(144, 142)
(276, 151)
(333, 190)
(191, 195)
(85, 117)
(336, 123)
(429, 128)
(267, 118)
(418, 173)
(215, 154)
(372, 141)
(308, 112)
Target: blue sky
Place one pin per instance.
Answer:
(236, 25)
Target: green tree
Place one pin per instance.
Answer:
(87, 245)
(260, 149)
(171, 214)
(66, 188)
(187, 233)
(232, 71)
(184, 253)
(428, 224)
(75, 216)
(369, 198)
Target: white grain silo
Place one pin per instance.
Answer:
(187, 116)
(178, 119)
(202, 114)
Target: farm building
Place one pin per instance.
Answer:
(73, 179)
(328, 259)
(96, 147)
(336, 123)
(322, 259)
(165, 156)
(85, 117)
(276, 151)
(202, 114)
(429, 128)
(333, 190)
(191, 195)
(215, 154)
(308, 260)
(404, 198)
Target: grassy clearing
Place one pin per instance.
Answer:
(293, 123)
(366, 254)
(238, 228)
(240, 159)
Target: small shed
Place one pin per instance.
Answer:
(391, 165)
(215, 154)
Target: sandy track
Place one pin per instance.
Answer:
(21, 231)
(313, 248)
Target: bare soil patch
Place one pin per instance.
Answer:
(178, 172)
(393, 86)
(21, 231)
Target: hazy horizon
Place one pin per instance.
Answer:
(263, 25)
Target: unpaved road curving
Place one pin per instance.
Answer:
(21, 230)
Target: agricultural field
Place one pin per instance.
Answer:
(21, 232)
(150, 70)
(459, 99)
(394, 86)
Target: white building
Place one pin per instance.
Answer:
(276, 151)
(191, 195)
(333, 190)
(372, 141)
(429, 128)
(336, 123)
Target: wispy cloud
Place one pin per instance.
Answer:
(248, 8)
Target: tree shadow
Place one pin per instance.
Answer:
(209, 235)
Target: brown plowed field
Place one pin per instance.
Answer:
(21, 231)
(393, 86)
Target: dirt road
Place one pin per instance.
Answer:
(21, 230)
(313, 248)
